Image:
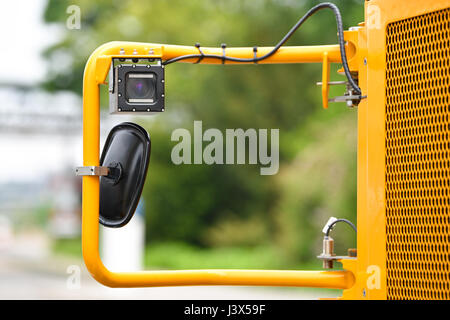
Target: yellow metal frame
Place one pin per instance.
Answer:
(95, 73)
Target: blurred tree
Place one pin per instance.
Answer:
(192, 202)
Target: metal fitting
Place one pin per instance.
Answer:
(92, 171)
(328, 255)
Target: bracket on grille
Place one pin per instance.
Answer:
(328, 259)
(328, 256)
(350, 97)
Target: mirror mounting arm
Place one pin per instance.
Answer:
(113, 171)
(92, 171)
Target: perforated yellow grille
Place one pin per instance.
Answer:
(418, 157)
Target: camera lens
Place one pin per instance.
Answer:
(140, 87)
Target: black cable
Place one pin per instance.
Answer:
(336, 221)
(311, 11)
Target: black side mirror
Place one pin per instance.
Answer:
(127, 155)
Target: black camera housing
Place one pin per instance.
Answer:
(148, 73)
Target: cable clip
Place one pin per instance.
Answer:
(224, 46)
(197, 45)
(255, 51)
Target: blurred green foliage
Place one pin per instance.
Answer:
(38, 219)
(173, 255)
(230, 206)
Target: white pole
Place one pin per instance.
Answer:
(122, 249)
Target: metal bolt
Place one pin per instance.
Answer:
(328, 251)
(352, 252)
(364, 292)
(365, 61)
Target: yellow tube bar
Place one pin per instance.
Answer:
(95, 74)
(283, 55)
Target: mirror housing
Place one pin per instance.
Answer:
(126, 154)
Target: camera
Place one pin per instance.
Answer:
(136, 85)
